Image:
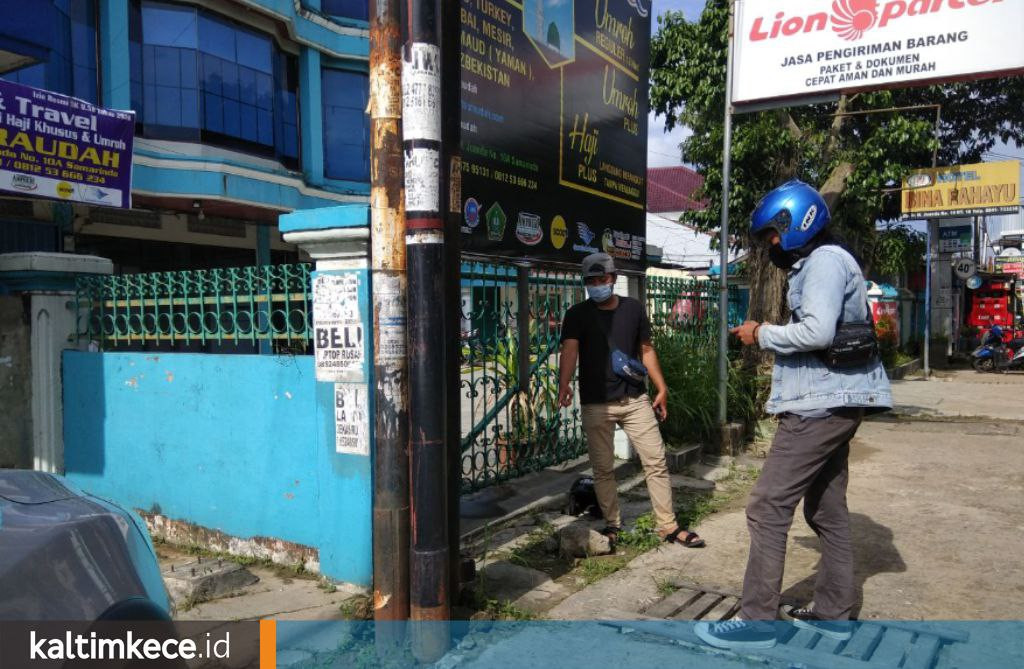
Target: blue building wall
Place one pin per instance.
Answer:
(238, 443)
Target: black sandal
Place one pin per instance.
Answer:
(691, 540)
(612, 533)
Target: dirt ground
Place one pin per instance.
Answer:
(936, 509)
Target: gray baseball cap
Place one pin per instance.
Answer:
(597, 264)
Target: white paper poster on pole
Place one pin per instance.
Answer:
(351, 419)
(804, 48)
(338, 327)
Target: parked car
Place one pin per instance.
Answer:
(67, 555)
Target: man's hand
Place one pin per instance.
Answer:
(660, 405)
(746, 332)
(565, 395)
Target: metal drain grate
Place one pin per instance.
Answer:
(873, 644)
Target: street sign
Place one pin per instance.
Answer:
(981, 189)
(974, 282)
(801, 48)
(964, 267)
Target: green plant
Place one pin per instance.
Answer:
(665, 587)
(506, 610)
(689, 363)
(644, 535)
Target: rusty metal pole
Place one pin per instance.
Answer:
(425, 177)
(451, 155)
(387, 238)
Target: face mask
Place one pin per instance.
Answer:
(600, 293)
(781, 258)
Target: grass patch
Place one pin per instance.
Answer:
(506, 611)
(665, 587)
(356, 608)
(593, 569)
(643, 537)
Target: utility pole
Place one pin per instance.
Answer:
(451, 155)
(723, 242)
(391, 374)
(425, 177)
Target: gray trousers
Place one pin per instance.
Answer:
(808, 460)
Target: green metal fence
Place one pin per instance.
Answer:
(269, 303)
(512, 423)
(689, 303)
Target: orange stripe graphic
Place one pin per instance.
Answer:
(268, 644)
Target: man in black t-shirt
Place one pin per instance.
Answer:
(591, 330)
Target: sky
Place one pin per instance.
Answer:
(662, 147)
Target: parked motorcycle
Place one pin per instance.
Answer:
(995, 355)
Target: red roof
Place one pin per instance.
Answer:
(672, 188)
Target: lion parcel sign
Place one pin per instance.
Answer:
(55, 146)
(963, 190)
(802, 48)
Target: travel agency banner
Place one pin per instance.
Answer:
(554, 128)
(60, 147)
(804, 48)
(983, 189)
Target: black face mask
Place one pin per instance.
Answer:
(781, 258)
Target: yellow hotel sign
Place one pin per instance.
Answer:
(963, 190)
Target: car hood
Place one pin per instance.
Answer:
(29, 487)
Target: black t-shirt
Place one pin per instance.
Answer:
(627, 325)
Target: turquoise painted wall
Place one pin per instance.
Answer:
(239, 443)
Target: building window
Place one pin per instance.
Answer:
(72, 68)
(346, 125)
(197, 76)
(350, 9)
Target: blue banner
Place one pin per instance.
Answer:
(63, 148)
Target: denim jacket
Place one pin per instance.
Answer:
(826, 284)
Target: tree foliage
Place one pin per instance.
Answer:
(898, 248)
(857, 161)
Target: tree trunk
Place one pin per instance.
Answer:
(767, 303)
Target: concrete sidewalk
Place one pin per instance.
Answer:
(935, 507)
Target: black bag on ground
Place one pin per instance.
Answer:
(583, 498)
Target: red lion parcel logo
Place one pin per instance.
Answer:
(850, 19)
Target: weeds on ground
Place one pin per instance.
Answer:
(665, 587)
(506, 611)
(356, 608)
(643, 537)
(593, 569)
(200, 552)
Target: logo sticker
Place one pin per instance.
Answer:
(586, 235)
(471, 212)
(495, 223)
(812, 212)
(528, 229)
(24, 182)
(919, 180)
(65, 190)
(617, 244)
(852, 18)
(559, 232)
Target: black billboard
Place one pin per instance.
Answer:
(554, 128)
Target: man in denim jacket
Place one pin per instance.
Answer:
(819, 411)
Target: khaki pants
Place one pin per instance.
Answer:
(636, 417)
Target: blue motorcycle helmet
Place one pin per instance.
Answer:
(795, 210)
